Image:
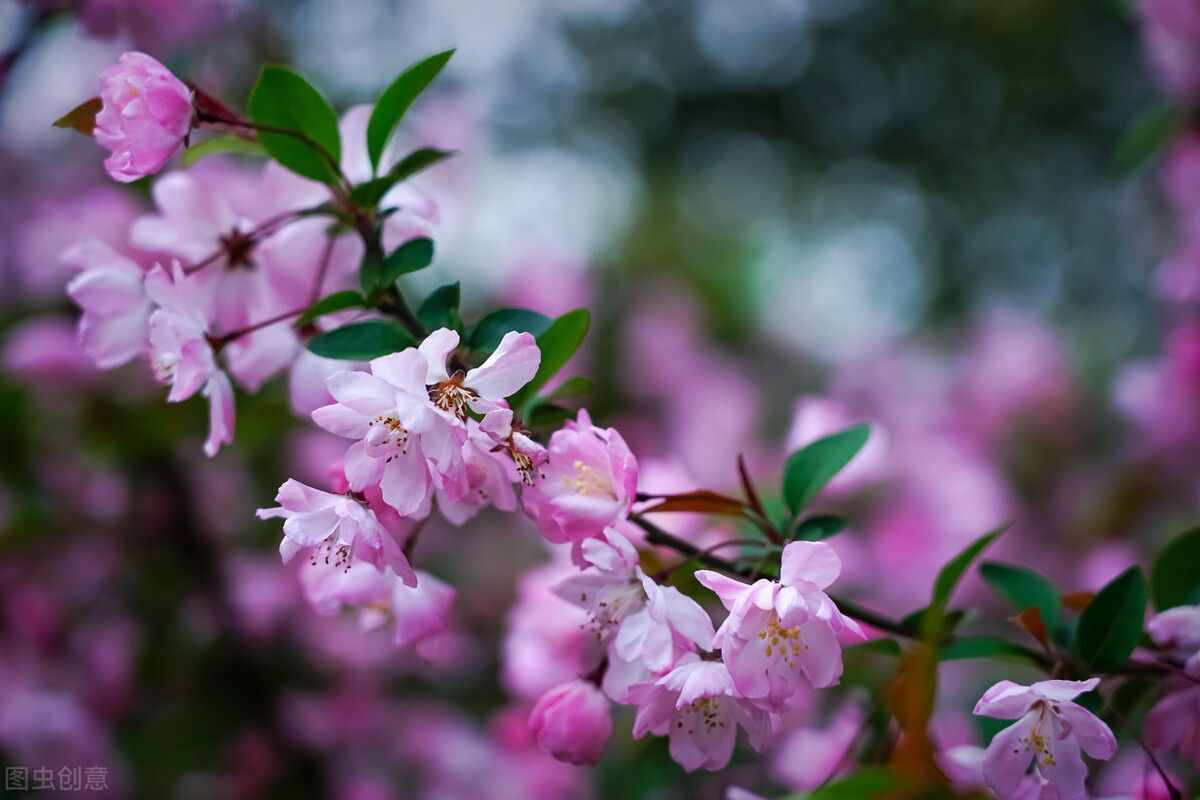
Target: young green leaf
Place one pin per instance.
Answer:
(952, 573)
(814, 465)
(81, 118)
(1148, 134)
(1175, 579)
(1111, 625)
(222, 144)
(283, 99)
(413, 255)
(338, 301)
(557, 343)
(361, 341)
(868, 783)
(440, 309)
(981, 647)
(396, 99)
(487, 333)
(369, 194)
(1024, 588)
(815, 529)
(571, 390)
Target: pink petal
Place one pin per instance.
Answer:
(1005, 700)
(436, 348)
(405, 370)
(1007, 757)
(812, 562)
(1093, 734)
(512, 365)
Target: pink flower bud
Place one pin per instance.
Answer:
(145, 115)
(571, 722)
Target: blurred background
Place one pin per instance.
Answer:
(785, 216)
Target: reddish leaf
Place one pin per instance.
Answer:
(1030, 621)
(81, 118)
(1077, 601)
(910, 696)
(702, 501)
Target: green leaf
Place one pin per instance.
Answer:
(338, 301)
(952, 573)
(487, 333)
(1148, 134)
(547, 417)
(883, 647)
(1024, 588)
(980, 647)
(822, 526)
(361, 341)
(413, 255)
(371, 192)
(557, 343)
(863, 785)
(440, 309)
(923, 619)
(222, 144)
(571, 389)
(370, 270)
(396, 99)
(1110, 626)
(814, 465)
(283, 99)
(81, 118)
(1175, 578)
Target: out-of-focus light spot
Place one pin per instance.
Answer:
(843, 294)
(766, 40)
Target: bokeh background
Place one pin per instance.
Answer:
(784, 215)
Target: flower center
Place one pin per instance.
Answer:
(610, 612)
(786, 642)
(238, 248)
(387, 432)
(163, 363)
(1038, 742)
(336, 553)
(525, 466)
(706, 711)
(450, 395)
(586, 481)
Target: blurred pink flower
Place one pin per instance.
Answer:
(807, 757)
(572, 722)
(110, 289)
(146, 114)
(588, 483)
(1171, 32)
(1174, 724)
(1178, 629)
(46, 350)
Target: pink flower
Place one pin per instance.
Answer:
(145, 116)
(45, 350)
(808, 757)
(572, 722)
(489, 477)
(1178, 629)
(512, 365)
(778, 633)
(335, 528)
(1171, 31)
(116, 311)
(588, 483)
(405, 445)
(697, 706)
(527, 455)
(642, 622)
(1049, 732)
(1174, 724)
(181, 353)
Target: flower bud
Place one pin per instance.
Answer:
(145, 115)
(571, 722)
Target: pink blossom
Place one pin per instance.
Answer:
(489, 479)
(145, 116)
(1050, 732)
(572, 722)
(643, 623)
(46, 350)
(588, 483)
(697, 706)
(1171, 31)
(512, 365)
(779, 632)
(1178, 629)
(527, 455)
(116, 311)
(807, 757)
(335, 528)
(405, 444)
(1174, 724)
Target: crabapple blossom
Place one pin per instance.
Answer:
(406, 445)
(489, 479)
(510, 366)
(589, 482)
(526, 454)
(146, 114)
(337, 529)
(1178, 630)
(572, 722)
(780, 632)
(1050, 732)
(1174, 723)
(181, 352)
(697, 706)
(643, 623)
(116, 310)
